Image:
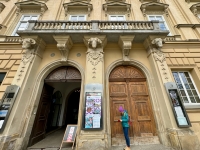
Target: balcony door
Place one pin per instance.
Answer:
(128, 88)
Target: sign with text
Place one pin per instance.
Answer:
(70, 135)
(93, 111)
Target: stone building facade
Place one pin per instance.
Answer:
(126, 50)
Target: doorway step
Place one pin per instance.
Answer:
(136, 140)
(144, 147)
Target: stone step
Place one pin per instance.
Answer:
(133, 147)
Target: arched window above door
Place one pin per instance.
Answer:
(64, 74)
(122, 73)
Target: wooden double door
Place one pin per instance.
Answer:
(128, 88)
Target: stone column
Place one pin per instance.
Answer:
(18, 120)
(169, 133)
(94, 78)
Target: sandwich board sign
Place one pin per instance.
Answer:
(69, 135)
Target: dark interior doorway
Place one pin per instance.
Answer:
(54, 113)
(73, 107)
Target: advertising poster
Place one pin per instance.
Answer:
(93, 110)
(177, 107)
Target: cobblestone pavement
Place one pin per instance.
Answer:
(133, 147)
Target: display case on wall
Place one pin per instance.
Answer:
(93, 111)
(7, 103)
(178, 108)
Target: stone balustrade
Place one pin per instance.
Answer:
(93, 25)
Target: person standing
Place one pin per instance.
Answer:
(125, 124)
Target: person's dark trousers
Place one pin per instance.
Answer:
(126, 136)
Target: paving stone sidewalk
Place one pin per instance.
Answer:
(133, 147)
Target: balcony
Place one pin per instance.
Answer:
(112, 29)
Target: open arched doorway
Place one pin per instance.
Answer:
(51, 109)
(128, 88)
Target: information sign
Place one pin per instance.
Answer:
(69, 135)
(93, 111)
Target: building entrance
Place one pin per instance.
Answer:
(58, 105)
(128, 88)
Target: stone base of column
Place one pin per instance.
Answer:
(183, 139)
(92, 142)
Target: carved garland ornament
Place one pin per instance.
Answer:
(159, 56)
(94, 55)
(29, 46)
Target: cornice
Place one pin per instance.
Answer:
(154, 6)
(118, 5)
(188, 1)
(31, 5)
(83, 6)
(187, 26)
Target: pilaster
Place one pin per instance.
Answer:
(33, 47)
(94, 78)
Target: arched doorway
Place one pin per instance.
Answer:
(50, 112)
(128, 88)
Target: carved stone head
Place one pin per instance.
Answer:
(157, 42)
(94, 42)
(28, 43)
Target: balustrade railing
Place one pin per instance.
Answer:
(93, 25)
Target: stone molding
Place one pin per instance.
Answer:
(29, 6)
(154, 6)
(118, 6)
(195, 9)
(2, 6)
(5, 0)
(33, 100)
(2, 29)
(188, 1)
(64, 44)
(142, 1)
(84, 7)
(125, 43)
(31, 47)
(95, 54)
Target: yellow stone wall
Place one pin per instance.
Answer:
(10, 58)
(186, 57)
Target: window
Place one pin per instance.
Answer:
(77, 18)
(23, 23)
(117, 18)
(162, 23)
(186, 87)
(2, 75)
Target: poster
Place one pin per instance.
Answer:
(93, 110)
(1, 123)
(180, 116)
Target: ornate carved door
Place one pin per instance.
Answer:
(128, 88)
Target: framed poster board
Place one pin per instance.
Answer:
(6, 104)
(69, 135)
(93, 111)
(178, 108)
